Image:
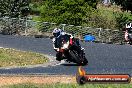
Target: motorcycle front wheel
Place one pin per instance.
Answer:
(130, 42)
(77, 59)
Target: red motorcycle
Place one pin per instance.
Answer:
(71, 51)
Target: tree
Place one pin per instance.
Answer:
(126, 4)
(66, 11)
(14, 8)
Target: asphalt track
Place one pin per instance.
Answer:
(103, 58)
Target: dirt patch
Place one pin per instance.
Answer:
(44, 79)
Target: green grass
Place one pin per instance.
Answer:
(58, 85)
(11, 57)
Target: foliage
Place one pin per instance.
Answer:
(126, 4)
(122, 19)
(107, 18)
(73, 12)
(65, 11)
(14, 8)
(80, 12)
(100, 18)
(35, 6)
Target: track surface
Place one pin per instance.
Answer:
(103, 58)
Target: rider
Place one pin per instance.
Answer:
(57, 33)
(128, 30)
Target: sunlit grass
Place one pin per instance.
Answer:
(59, 85)
(11, 57)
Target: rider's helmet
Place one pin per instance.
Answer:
(56, 32)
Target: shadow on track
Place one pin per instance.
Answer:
(72, 64)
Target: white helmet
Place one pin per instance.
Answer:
(56, 32)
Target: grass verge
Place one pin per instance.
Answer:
(12, 57)
(60, 85)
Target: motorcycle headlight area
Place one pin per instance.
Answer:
(65, 45)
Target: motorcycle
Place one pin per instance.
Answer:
(130, 36)
(70, 51)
